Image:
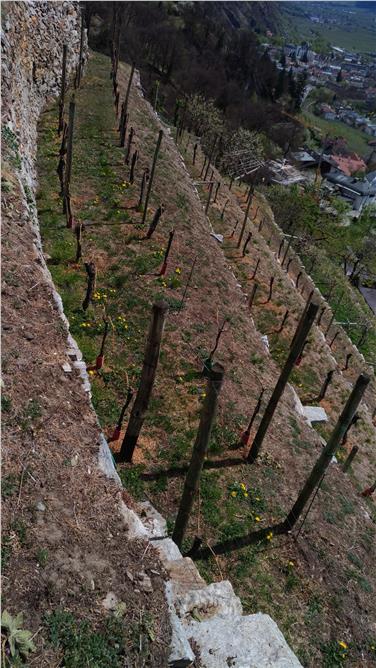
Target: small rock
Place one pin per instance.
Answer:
(74, 460)
(28, 336)
(40, 506)
(110, 601)
(67, 367)
(144, 582)
(129, 575)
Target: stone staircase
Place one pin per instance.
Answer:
(207, 621)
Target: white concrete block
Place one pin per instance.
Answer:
(254, 641)
(315, 414)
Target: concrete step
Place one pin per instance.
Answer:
(216, 599)
(181, 654)
(184, 576)
(254, 641)
(167, 550)
(155, 524)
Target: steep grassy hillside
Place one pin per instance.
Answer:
(318, 586)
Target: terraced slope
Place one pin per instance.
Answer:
(308, 584)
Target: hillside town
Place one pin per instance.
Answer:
(345, 80)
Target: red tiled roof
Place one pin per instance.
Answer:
(349, 165)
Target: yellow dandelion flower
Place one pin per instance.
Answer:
(291, 564)
(342, 644)
(242, 485)
(91, 372)
(203, 395)
(234, 493)
(269, 536)
(257, 498)
(177, 270)
(257, 518)
(246, 494)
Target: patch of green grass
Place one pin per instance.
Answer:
(6, 404)
(130, 477)
(6, 550)
(82, 645)
(9, 485)
(211, 494)
(20, 528)
(357, 140)
(333, 654)
(42, 557)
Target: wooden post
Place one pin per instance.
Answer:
(248, 239)
(284, 319)
(333, 339)
(210, 158)
(244, 223)
(329, 450)
(302, 316)
(321, 315)
(155, 221)
(144, 180)
(92, 275)
(270, 291)
(348, 358)
(129, 146)
(350, 458)
(126, 101)
(78, 233)
(282, 382)
(62, 153)
(194, 154)
(224, 207)
(199, 452)
(133, 166)
(122, 114)
(209, 198)
(326, 383)
(148, 373)
(251, 278)
(252, 295)
(77, 81)
(68, 164)
(62, 90)
(167, 252)
(280, 248)
(286, 251)
(151, 179)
